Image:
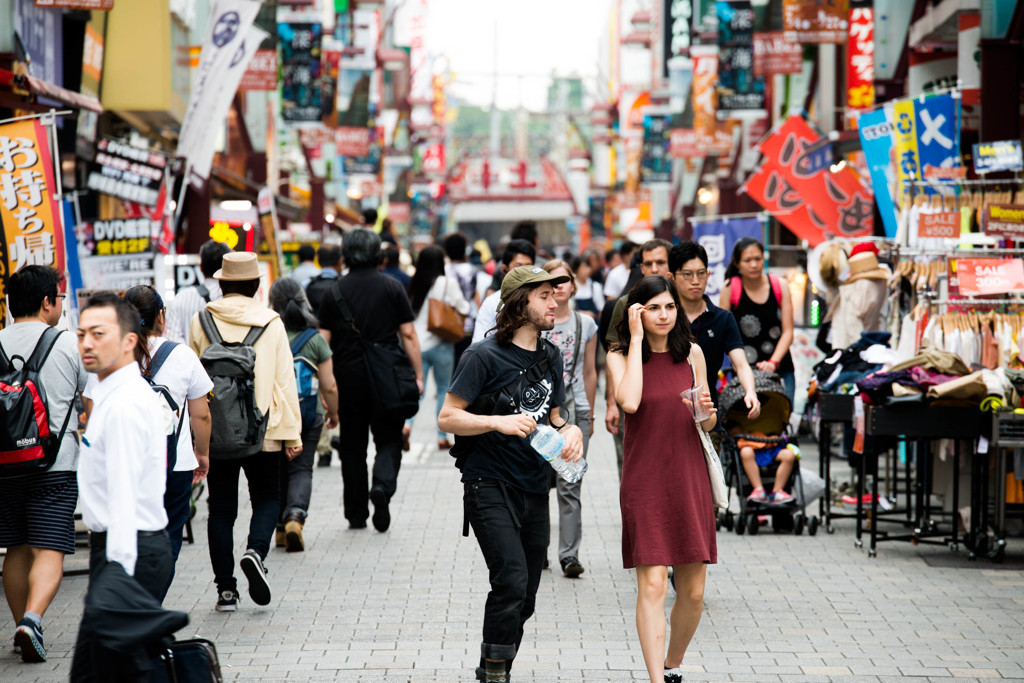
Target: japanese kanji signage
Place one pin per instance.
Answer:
(1005, 221)
(123, 236)
(814, 203)
(908, 163)
(816, 21)
(656, 164)
(300, 71)
(126, 172)
(738, 88)
(877, 141)
(860, 60)
(773, 54)
(989, 275)
(261, 73)
(705, 75)
(28, 212)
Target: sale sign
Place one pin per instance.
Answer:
(1004, 221)
(939, 224)
(989, 275)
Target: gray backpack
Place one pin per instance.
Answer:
(238, 425)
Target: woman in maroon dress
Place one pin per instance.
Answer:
(668, 514)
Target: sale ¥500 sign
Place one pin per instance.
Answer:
(939, 224)
(990, 276)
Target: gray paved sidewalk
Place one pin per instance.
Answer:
(406, 605)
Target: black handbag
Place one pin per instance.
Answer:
(392, 379)
(187, 661)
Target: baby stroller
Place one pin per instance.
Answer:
(770, 429)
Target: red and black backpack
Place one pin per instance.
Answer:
(26, 443)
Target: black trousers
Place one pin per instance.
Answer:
(512, 528)
(356, 422)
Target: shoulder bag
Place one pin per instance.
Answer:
(719, 489)
(392, 378)
(570, 395)
(443, 320)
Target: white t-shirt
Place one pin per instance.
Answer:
(487, 316)
(185, 377)
(444, 289)
(616, 281)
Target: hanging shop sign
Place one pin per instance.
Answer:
(126, 172)
(739, 90)
(678, 37)
(718, 238)
(300, 71)
(815, 21)
(944, 172)
(1004, 220)
(120, 236)
(939, 224)
(683, 143)
(187, 275)
(860, 60)
(656, 163)
(1003, 155)
(774, 55)
(908, 163)
(29, 217)
(938, 130)
(118, 272)
(77, 4)
(989, 275)
(814, 205)
(262, 72)
(705, 75)
(877, 141)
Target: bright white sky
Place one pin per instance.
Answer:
(535, 37)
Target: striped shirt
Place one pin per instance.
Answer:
(186, 303)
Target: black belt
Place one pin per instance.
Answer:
(99, 538)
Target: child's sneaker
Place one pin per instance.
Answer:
(758, 495)
(781, 498)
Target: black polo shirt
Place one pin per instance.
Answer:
(717, 334)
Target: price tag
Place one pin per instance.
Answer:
(858, 419)
(982, 445)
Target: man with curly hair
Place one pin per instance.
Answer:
(503, 388)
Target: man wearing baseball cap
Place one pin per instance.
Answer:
(504, 386)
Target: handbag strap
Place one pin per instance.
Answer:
(576, 349)
(346, 312)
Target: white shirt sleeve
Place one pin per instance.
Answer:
(486, 317)
(121, 441)
(598, 296)
(199, 383)
(451, 294)
(616, 282)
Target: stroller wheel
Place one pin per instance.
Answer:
(741, 525)
(754, 524)
(798, 524)
(812, 526)
(728, 520)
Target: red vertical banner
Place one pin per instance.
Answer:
(860, 60)
(29, 215)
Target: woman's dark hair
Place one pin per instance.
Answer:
(429, 266)
(513, 314)
(149, 304)
(289, 301)
(29, 286)
(737, 252)
(576, 261)
(679, 337)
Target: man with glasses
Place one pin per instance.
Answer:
(714, 329)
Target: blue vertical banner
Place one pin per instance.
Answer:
(718, 238)
(876, 141)
(938, 131)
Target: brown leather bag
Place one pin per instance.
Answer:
(445, 321)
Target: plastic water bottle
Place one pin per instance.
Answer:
(549, 443)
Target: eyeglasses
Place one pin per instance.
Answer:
(691, 275)
(62, 296)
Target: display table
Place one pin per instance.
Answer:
(921, 423)
(832, 409)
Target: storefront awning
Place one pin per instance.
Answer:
(41, 88)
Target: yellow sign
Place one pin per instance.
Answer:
(908, 163)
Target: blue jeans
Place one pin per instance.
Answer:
(789, 382)
(442, 359)
(178, 505)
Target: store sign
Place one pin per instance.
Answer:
(739, 90)
(718, 237)
(126, 172)
(352, 142)
(656, 163)
(1004, 220)
(1004, 155)
(677, 28)
(938, 135)
(941, 224)
(908, 162)
(189, 275)
(860, 60)
(816, 21)
(123, 236)
(683, 143)
(774, 55)
(705, 76)
(944, 172)
(261, 74)
(877, 141)
(300, 71)
(989, 276)
(77, 4)
(399, 212)
(28, 213)
(118, 272)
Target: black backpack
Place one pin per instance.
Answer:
(26, 443)
(238, 425)
(504, 401)
(155, 364)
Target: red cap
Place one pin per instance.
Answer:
(864, 247)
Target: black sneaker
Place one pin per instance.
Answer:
(361, 524)
(673, 676)
(324, 460)
(481, 675)
(256, 573)
(571, 567)
(381, 513)
(227, 601)
(29, 636)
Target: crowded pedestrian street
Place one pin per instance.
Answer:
(396, 607)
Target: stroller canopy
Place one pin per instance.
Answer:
(775, 404)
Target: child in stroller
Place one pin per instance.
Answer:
(757, 453)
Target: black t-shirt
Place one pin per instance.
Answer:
(717, 334)
(486, 367)
(379, 306)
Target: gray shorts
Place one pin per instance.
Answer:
(38, 510)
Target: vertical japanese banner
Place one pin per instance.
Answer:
(718, 238)
(876, 141)
(740, 91)
(860, 60)
(908, 163)
(300, 71)
(938, 132)
(28, 212)
(705, 75)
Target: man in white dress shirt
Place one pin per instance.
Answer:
(122, 466)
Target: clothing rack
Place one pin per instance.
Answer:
(1016, 180)
(973, 301)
